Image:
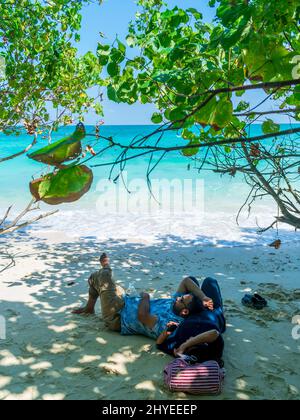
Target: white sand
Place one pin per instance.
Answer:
(51, 354)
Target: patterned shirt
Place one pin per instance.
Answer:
(162, 308)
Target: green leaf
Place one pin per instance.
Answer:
(121, 47)
(187, 134)
(156, 118)
(242, 106)
(112, 94)
(270, 127)
(130, 41)
(197, 15)
(191, 151)
(177, 114)
(67, 149)
(113, 69)
(116, 56)
(65, 186)
(217, 114)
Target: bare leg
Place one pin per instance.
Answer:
(89, 309)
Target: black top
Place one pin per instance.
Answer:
(192, 326)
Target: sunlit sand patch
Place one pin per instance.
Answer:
(117, 363)
(64, 309)
(63, 328)
(41, 366)
(8, 359)
(30, 393)
(241, 384)
(4, 381)
(4, 395)
(27, 361)
(101, 340)
(53, 397)
(146, 385)
(262, 359)
(33, 350)
(73, 369)
(242, 396)
(62, 348)
(294, 390)
(89, 359)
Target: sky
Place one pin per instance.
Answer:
(112, 18)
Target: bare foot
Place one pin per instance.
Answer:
(83, 311)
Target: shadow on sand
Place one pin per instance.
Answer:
(50, 353)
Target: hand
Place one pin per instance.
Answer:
(208, 303)
(172, 323)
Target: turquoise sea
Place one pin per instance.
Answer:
(186, 203)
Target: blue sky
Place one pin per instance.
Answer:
(112, 18)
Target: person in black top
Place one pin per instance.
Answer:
(200, 334)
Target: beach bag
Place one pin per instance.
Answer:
(184, 375)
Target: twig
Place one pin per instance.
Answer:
(21, 152)
(29, 222)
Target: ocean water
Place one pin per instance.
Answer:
(182, 203)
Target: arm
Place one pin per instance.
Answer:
(162, 338)
(144, 315)
(207, 337)
(171, 326)
(188, 286)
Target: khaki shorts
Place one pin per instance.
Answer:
(111, 297)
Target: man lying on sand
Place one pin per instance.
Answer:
(135, 315)
(200, 334)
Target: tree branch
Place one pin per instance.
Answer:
(14, 225)
(21, 152)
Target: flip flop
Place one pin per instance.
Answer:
(261, 299)
(254, 301)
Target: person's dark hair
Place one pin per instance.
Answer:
(194, 307)
(103, 256)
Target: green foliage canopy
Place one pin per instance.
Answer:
(43, 70)
(195, 72)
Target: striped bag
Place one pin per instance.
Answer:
(199, 379)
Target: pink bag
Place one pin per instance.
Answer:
(199, 379)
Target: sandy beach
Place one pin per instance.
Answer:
(51, 354)
(165, 134)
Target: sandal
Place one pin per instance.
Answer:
(254, 301)
(261, 299)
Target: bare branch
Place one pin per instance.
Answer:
(22, 152)
(223, 142)
(27, 223)
(15, 225)
(5, 216)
